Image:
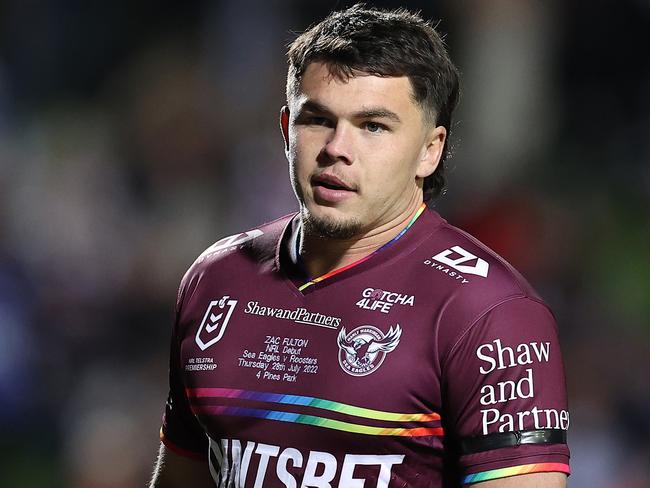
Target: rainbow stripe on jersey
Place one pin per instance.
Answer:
(307, 419)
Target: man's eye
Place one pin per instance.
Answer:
(375, 127)
(318, 121)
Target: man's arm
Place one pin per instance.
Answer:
(534, 480)
(175, 471)
(493, 405)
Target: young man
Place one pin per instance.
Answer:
(364, 341)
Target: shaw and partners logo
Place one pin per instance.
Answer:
(364, 349)
(298, 315)
(460, 260)
(214, 322)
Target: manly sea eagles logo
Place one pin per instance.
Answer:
(214, 322)
(363, 350)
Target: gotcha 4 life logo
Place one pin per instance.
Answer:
(383, 300)
(214, 322)
(364, 349)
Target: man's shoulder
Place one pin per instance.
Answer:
(467, 271)
(464, 280)
(257, 245)
(483, 261)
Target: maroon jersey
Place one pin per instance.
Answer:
(431, 363)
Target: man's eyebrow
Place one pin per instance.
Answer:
(313, 106)
(368, 113)
(377, 113)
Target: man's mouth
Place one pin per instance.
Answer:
(331, 190)
(331, 182)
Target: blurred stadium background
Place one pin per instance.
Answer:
(133, 134)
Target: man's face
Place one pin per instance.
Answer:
(358, 150)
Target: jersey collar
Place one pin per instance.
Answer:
(291, 264)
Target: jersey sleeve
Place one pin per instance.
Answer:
(505, 395)
(180, 431)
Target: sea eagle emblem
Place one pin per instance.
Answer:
(364, 349)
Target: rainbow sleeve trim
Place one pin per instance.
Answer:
(517, 470)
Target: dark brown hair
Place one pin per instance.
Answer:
(384, 43)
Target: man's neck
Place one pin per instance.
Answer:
(322, 255)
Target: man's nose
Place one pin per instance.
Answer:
(339, 144)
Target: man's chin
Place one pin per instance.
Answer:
(330, 227)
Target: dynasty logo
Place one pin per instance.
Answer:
(364, 349)
(460, 260)
(231, 243)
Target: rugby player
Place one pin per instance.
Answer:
(363, 341)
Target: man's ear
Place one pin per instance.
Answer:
(431, 152)
(284, 126)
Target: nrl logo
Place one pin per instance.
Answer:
(214, 323)
(364, 349)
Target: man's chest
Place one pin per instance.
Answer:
(352, 344)
(333, 386)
